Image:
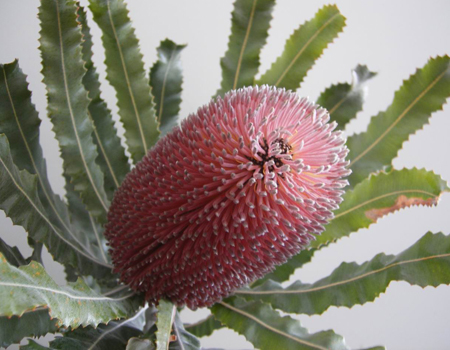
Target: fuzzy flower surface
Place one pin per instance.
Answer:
(241, 186)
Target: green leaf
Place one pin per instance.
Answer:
(140, 344)
(34, 323)
(266, 329)
(185, 340)
(12, 254)
(63, 71)
(343, 101)
(32, 345)
(166, 317)
(20, 202)
(166, 79)
(250, 22)
(205, 327)
(125, 72)
(422, 94)
(20, 123)
(303, 48)
(426, 263)
(380, 195)
(111, 154)
(29, 287)
(283, 272)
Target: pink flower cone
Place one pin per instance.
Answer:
(241, 186)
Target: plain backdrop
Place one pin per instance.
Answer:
(392, 37)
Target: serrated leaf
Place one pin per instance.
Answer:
(303, 48)
(422, 94)
(20, 202)
(34, 323)
(113, 336)
(380, 195)
(250, 22)
(185, 340)
(165, 318)
(204, 327)
(343, 101)
(63, 71)
(20, 123)
(125, 72)
(267, 330)
(165, 79)
(29, 287)
(426, 263)
(111, 154)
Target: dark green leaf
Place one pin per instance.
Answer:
(12, 254)
(267, 330)
(125, 72)
(204, 327)
(185, 340)
(20, 202)
(426, 263)
(32, 345)
(29, 287)
(34, 323)
(422, 94)
(111, 154)
(68, 101)
(344, 100)
(165, 318)
(303, 48)
(379, 195)
(250, 22)
(166, 79)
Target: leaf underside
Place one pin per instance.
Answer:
(165, 318)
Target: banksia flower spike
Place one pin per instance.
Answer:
(241, 186)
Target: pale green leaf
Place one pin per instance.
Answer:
(20, 202)
(140, 344)
(266, 329)
(426, 263)
(125, 72)
(343, 101)
(29, 287)
(205, 327)
(68, 101)
(250, 22)
(111, 154)
(166, 79)
(422, 94)
(303, 48)
(185, 340)
(165, 319)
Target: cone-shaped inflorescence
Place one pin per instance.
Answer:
(241, 186)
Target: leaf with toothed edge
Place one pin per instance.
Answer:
(424, 93)
(35, 323)
(12, 254)
(267, 330)
(29, 287)
(166, 79)
(111, 154)
(20, 202)
(204, 327)
(343, 101)
(250, 23)
(125, 72)
(425, 263)
(164, 322)
(63, 70)
(303, 48)
(379, 195)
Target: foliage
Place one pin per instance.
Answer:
(95, 163)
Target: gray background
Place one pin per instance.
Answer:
(392, 37)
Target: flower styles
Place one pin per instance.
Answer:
(244, 184)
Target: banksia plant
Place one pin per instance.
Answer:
(215, 210)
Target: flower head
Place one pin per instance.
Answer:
(243, 184)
